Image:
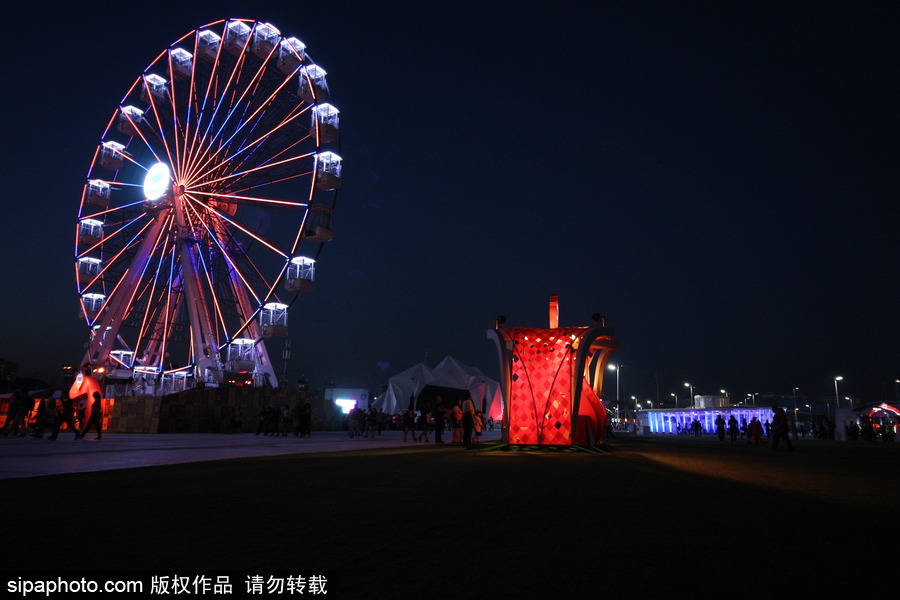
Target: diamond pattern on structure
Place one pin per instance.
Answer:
(540, 403)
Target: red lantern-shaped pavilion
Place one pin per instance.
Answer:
(552, 381)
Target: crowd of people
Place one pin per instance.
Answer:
(780, 429)
(49, 415)
(280, 421)
(465, 424)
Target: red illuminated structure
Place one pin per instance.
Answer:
(552, 381)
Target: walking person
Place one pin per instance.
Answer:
(24, 406)
(720, 427)
(67, 417)
(733, 428)
(409, 423)
(479, 425)
(306, 420)
(437, 413)
(779, 429)
(423, 423)
(468, 420)
(96, 418)
(755, 430)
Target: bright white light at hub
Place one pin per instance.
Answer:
(156, 182)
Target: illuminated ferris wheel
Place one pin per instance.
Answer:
(205, 208)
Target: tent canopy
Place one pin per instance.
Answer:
(450, 374)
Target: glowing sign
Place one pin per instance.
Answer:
(156, 182)
(346, 405)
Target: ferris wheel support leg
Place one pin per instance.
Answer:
(104, 338)
(267, 375)
(206, 349)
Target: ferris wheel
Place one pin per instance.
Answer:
(205, 208)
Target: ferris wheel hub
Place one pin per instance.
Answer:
(156, 182)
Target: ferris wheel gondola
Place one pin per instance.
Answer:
(205, 208)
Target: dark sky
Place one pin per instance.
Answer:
(719, 179)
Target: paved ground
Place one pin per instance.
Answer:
(32, 457)
(656, 517)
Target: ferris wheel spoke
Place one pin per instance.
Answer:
(136, 127)
(261, 168)
(251, 200)
(112, 261)
(224, 241)
(245, 102)
(239, 286)
(220, 99)
(237, 225)
(253, 119)
(242, 167)
(161, 130)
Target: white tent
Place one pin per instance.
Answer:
(449, 373)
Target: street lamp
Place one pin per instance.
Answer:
(837, 398)
(676, 399)
(795, 402)
(809, 410)
(688, 385)
(616, 368)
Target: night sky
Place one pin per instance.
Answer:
(719, 179)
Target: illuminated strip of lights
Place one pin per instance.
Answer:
(221, 164)
(200, 110)
(149, 288)
(110, 235)
(156, 312)
(264, 103)
(176, 127)
(146, 142)
(299, 236)
(161, 131)
(112, 260)
(112, 210)
(191, 104)
(206, 270)
(221, 100)
(248, 147)
(231, 262)
(226, 234)
(236, 224)
(194, 192)
(112, 294)
(152, 285)
(260, 168)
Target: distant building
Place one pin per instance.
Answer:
(706, 409)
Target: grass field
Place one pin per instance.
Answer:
(654, 517)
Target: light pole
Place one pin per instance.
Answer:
(897, 389)
(809, 410)
(676, 399)
(688, 385)
(616, 368)
(795, 403)
(837, 398)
